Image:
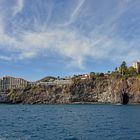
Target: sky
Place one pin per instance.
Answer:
(66, 37)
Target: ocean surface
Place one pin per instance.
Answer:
(69, 122)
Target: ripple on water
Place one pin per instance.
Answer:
(15, 136)
(69, 122)
(71, 138)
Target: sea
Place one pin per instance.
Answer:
(70, 122)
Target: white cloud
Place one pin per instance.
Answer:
(74, 14)
(76, 11)
(18, 6)
(100, 43)
(6, 58)
(69, 44)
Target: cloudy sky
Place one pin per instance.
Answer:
(66, 37)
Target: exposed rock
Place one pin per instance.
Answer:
(84, 91)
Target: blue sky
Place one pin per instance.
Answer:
(66, 37)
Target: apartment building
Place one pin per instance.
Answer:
(9, 82)
(136, 65)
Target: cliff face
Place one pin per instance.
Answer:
(130, 88)
(101, 91)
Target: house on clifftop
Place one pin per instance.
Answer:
(136, 65)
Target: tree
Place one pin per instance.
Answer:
(108, 72)
(123, 65)
(101, 74)
(92, 74)
(116, 69)
(132, 71)
(123, 68)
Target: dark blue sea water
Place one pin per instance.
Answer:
(69, 122)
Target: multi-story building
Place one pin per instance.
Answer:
(136, 65)
(8, 82)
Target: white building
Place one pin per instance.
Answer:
(9, 82)
(56, 82)
(136, 65)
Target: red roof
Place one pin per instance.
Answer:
(8, 77)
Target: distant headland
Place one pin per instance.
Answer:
(119, 86)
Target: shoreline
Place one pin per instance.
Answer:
(76, 103)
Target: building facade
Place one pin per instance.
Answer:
(8, 82)
(56, 82)
(136, 65)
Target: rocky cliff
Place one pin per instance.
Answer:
(83, 91)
